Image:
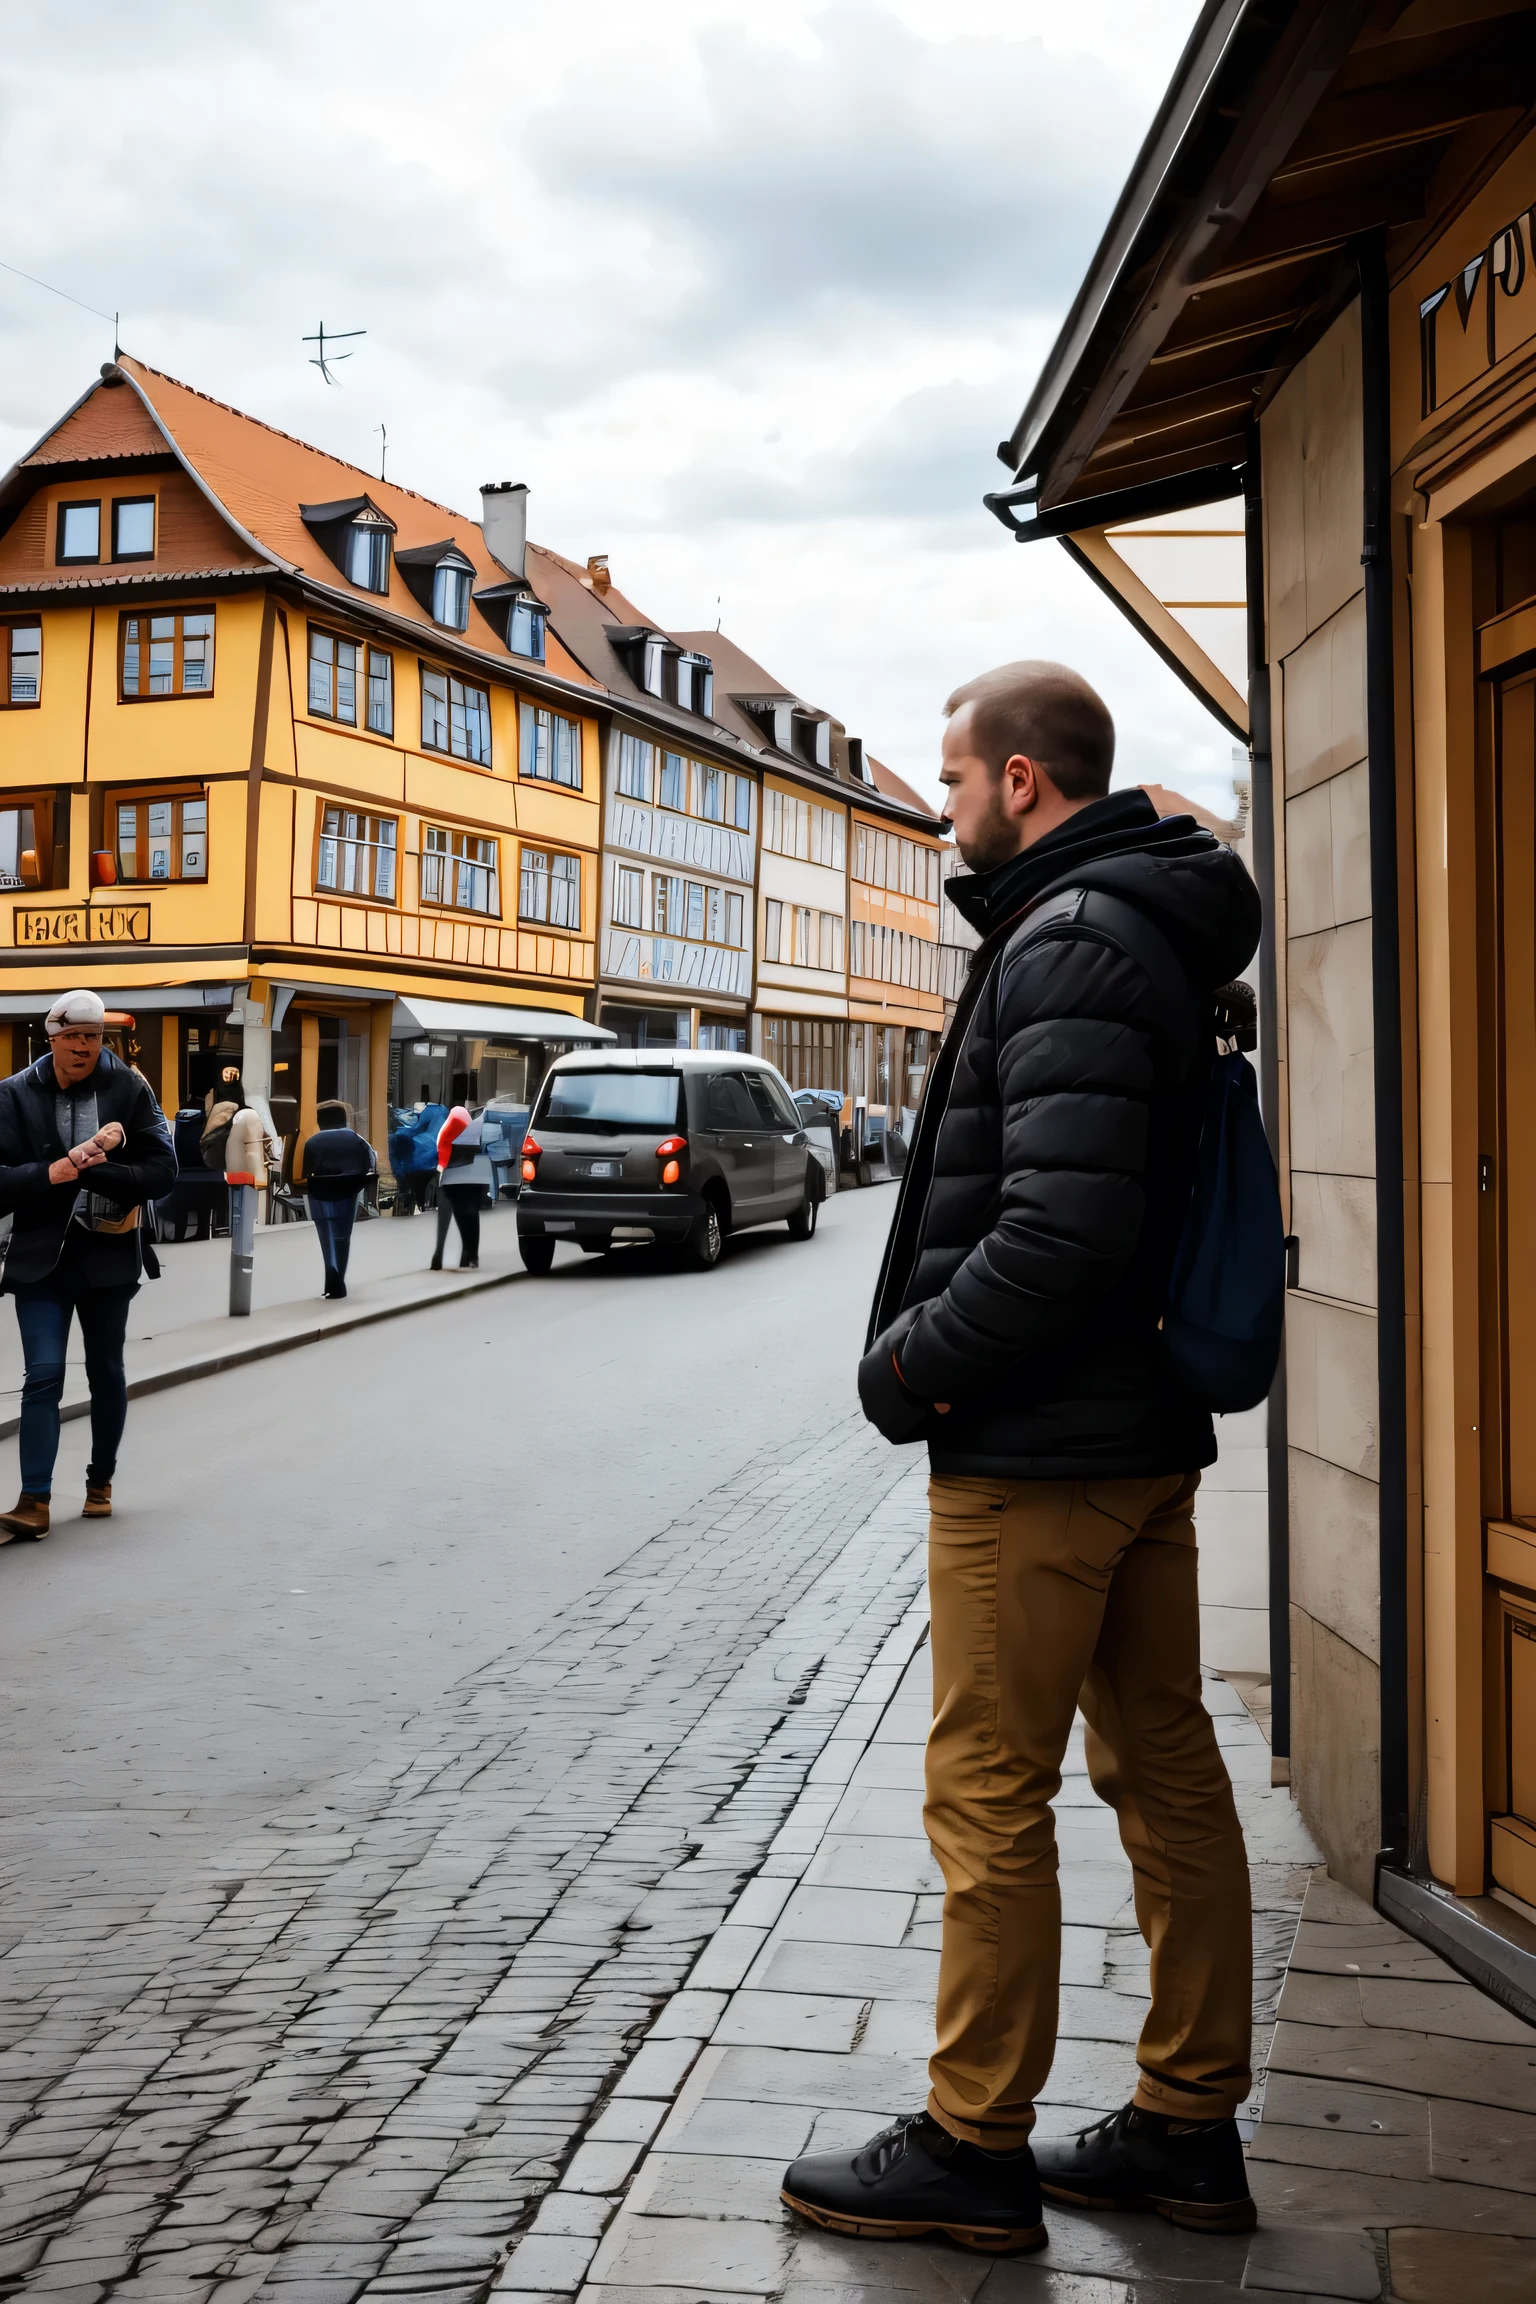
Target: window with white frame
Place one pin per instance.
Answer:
(455, 717)
(367, 555)
(889, 860)
(381, 692)
(459, 869)
(795, 827)
(628, 897)
(525, 630)
(333, 667)
(674, 782)
(551, 746)
(801, 936)
(549, 888)
(450, 596)
(356, 854)
(635, 757)
(696, 911)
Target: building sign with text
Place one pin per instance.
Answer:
(83, 924)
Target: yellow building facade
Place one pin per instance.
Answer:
(290, 770)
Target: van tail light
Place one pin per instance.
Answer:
(667, 1151)
(531, 1150)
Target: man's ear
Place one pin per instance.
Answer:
(1021, 784)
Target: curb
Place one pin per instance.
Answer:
(549, 2261)
(268, 1347)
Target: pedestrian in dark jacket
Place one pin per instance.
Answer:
(337, 1164)
(1015, 1330)
(83, 1147)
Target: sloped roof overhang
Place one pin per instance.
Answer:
(1290, 133)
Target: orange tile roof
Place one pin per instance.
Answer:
(105, 423)
(260, 476)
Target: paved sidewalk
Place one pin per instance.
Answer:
(179, 1326)
(806, 2024)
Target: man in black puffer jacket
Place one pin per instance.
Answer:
(83, 1147)
(1015, 1330)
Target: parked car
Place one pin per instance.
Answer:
(634, 1144)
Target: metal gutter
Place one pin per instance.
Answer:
(1181, 492)
(1387, 1018)
(1262, 817)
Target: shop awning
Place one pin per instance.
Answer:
(488, 1023)
(126, 999)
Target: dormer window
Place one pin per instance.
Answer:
(525, 630)
(440, 576)
(368, 555)
(515, 613)
(774, 716)
(654, 674)
(696, 683)
(450, 597)
(813, 739)
(356, 535)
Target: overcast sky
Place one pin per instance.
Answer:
(747, 295)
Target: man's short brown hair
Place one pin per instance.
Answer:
(1049, 713)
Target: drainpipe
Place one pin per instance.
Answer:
(1387, 1018)
(1263, 819)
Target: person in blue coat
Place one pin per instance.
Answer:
(413, 1151)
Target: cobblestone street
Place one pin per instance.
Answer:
(348, 2047)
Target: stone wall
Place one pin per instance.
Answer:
(1313, 487)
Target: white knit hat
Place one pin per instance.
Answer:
(75, 1008)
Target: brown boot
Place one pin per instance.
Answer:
(28, 1517)
(98, 1500)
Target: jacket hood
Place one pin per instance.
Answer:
(1187, 881)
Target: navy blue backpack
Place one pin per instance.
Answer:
(1226, 1292)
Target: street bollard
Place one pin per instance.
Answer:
(247, 1155)
(242, 1245)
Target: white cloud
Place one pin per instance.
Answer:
(748, 297)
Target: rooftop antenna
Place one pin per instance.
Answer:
(718, 597)
(383, 435)
(324, 360)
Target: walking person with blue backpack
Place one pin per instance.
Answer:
(1062, 1265)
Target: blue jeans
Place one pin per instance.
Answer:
(333, 1221)
(43, 1313)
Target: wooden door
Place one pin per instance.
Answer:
(1509, 1328)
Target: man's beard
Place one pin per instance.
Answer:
(996, 839)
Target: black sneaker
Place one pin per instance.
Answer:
(1190, 2171)
(916, 2178)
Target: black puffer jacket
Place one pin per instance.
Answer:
(1052, 1163)
(142, 1168)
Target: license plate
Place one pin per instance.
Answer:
(603, 1168)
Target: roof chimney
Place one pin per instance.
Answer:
(597, 574)
(504, 523)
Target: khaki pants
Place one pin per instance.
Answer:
(1047, 1595)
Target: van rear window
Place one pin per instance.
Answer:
(610, 1099)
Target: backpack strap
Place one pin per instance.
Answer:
(1139, 935)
